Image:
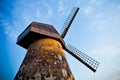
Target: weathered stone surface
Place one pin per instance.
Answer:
(45, 60)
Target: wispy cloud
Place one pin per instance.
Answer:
(107, 26)
(107, 53)
(88, 10)
(105, 23)
(22, 17)
(49, 9)
(62, 8)
(38, 13)
(11, 32)
(91, 7)
(108, 56)
(49, 12)
(111, 50)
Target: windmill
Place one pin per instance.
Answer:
(45, 59)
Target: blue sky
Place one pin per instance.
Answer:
(95, 31)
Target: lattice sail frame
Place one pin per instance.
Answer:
(86, 60)
(69, 21)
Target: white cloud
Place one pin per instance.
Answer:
(91, 7)
(106, 25)
(62, 8)
(104, 21)
(108, 56)
(38, 13)
(88, 10)
(22, 17)
(112, 51)
(49, 9)
(50, 12)
(11, 32)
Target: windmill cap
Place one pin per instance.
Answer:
(37, 31)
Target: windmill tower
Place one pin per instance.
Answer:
(45, 58)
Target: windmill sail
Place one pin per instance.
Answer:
(86, 60)
(68, 21)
